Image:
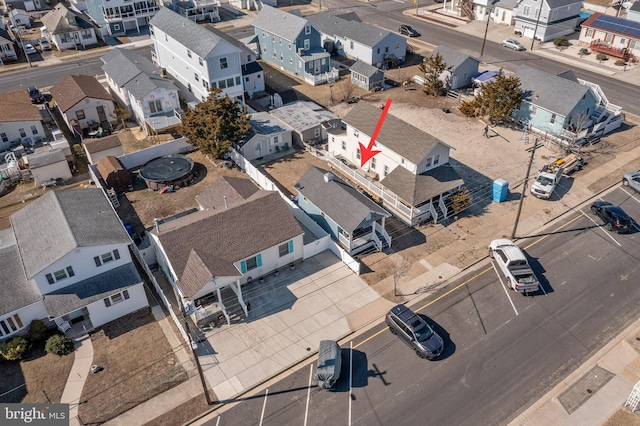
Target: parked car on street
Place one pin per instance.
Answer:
(415, 332)
(408, 31)
(28, 47)
(632, 180)
(44, 44)
(36, 96)
(614, 218)
(513, 44)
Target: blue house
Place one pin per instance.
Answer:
(350, 217)
(290, 43)
(563, 106)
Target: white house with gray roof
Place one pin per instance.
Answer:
(366, 76)
(48, 166)
(67, 29)
(199, 58)
(268, 138)
(500, 11)
(136, 82)
(411, 175)
(226, 245)
(363, 42)
(564, 106)
(351, 218)
(66, 260)
(547, 18)
(461, 67)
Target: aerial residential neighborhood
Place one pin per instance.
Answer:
(263, 212)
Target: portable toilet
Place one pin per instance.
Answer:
(500, 190)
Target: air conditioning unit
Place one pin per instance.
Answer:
(300, 51)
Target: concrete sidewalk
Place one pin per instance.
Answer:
(80, 369)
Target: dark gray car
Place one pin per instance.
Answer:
(414, 331)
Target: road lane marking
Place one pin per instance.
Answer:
(505, 288)
(602, 229)
(306, 410)
(630, 195)
(264, 405)
(350, 378)
(218, 421)
(552, 232)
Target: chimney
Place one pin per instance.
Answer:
(225, 201)
(157, 225)
(328, 177)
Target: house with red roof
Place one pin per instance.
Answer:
(613, 36)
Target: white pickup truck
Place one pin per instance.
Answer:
(546, 182)
(514, 266)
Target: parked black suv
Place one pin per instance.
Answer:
(408, 30)
(35, 95)
(613, 217)
(414, 331)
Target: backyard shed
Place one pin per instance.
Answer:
(366, 76)
(49, 167)
(114, 174)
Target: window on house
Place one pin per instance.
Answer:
(276, 139)
(60, 275)
(230, 82)
(344, 145)
(307, 29)
(286, 248)
(623, 41)
(291, 60)
(246, 79)
(307, 44)
(116, 298)
(107, 257)
(386, 171)
(386, 49)
(151, 30)
(34, 130)
(526, 11)
(608, 38)
(248, 58)
(222, 84)
(264, 49)
(373, 162)
(251, 263)
(429, 161)
(402, 161)
(553, 119)
(316, 133)
(589, 32)
(205, 84)
(534, 110)
(116, 27)
(196, 76)
(280, 41)
(289, 46)
(397, 46)
(436, 159)
(378, 50)
(200, 61)
(4, 137)
(281, 57)
(155, 106)
(223, 63)
(213, 85)
(80, 114)
(10, 325)
(356, 133)
(23, 134)
(351, 45)
(358, 153)
(188, 53)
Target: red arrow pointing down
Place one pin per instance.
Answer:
(367, 153)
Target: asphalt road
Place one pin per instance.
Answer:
(504, 350)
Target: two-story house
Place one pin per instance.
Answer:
(415, 177)
(498, 11)
(83, 103)
(461, 67)
(199, 58)
(136, 82)
(241, 234)
(19, 119)
(613, 36)
(67, 29)
(116, 17)
(564, 106)
(290, 43)
(360, 41)
(548, 19)
(86, 276)
(196, 10)
(7, 48)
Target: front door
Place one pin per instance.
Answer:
(102, 116)
(316, 65)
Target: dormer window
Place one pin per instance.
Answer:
(307, 29)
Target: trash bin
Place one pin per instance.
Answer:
(500, 190)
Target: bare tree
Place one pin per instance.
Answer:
(400, 272)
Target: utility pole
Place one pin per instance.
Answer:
(19, 33)
(535, 30)
(486, 29)
(524, 189)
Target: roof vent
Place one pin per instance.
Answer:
(328, 177)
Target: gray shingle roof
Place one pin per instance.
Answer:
(345, 205)
(635, 6)
(191, 35)
(62, 220)
(365, 69)
(281, 23)
(60, 20)
(453, 58)
(206, 243)
(553, 4)
(333, 25)
(82, 293)
(134, 72)
(548, 91)
(397, 135)
(15, 290)
(4, 37)
(236, 190)
(417, 189)
(45, 158)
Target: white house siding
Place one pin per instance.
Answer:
(51, 171)
(101, 314)
(89, 105)
(84, 267)
(271, 260)
(97, 156)
(120, 93)
(11, 129)
(35, 311)
(439, 151)
(7, 51)
(173, 56)
(266, 144)
(68, 41)
(587, 35)
(254, 83)
(390, 45)
(168, 99)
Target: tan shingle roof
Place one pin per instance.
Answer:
(206, 244)
(17, 106)
(75, 88)
(102, 144)
(236, 191)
